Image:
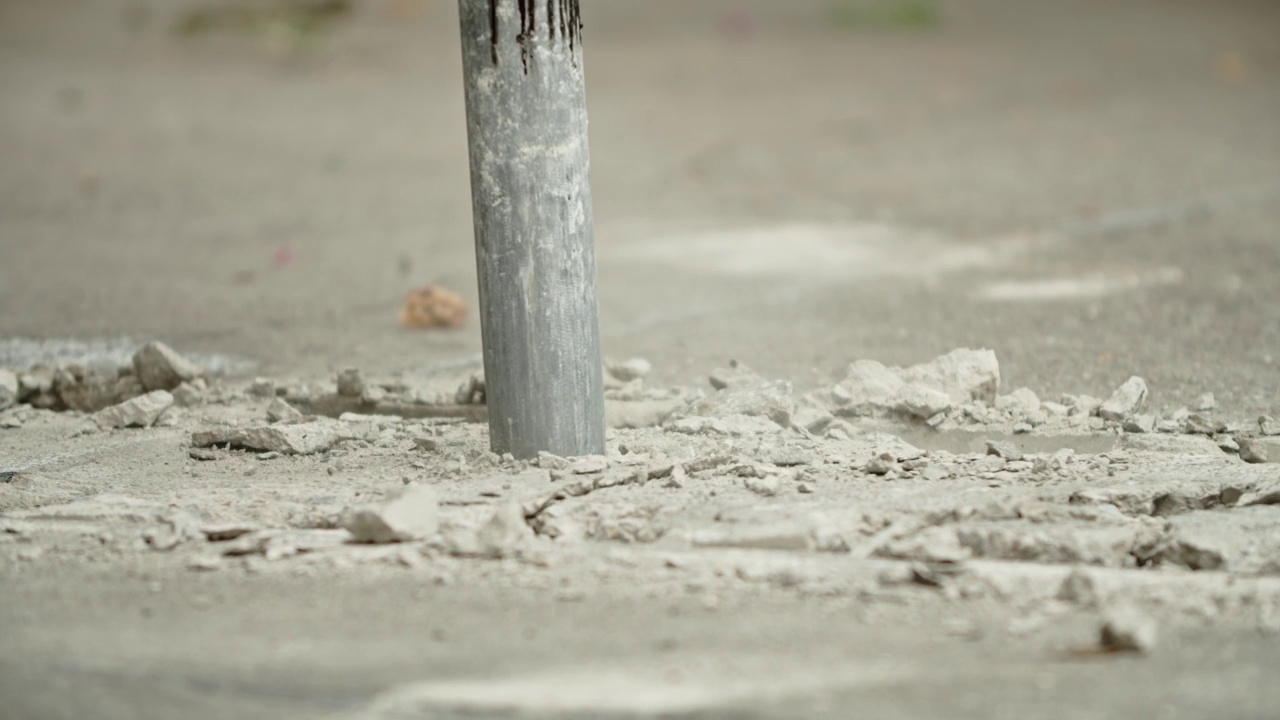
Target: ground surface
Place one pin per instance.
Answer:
(1092, 190)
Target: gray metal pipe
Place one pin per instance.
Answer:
(535, 245)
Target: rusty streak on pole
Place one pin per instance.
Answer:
(535, 246)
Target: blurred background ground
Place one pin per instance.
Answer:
(795, 185)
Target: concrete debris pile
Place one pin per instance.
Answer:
(875, 470)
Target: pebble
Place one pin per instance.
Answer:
(767, 486)
(1197, 424)
(589, 465)
(281, 411)
(1205, 402)
(350, 383)
(1055, 409)
(1269, 425)
(412, 514)
(1141, 423)
(921, 402)
(1127, 400)
(141, 411)
(1252, 452)
(1128, 630)
(1003, 449)
(880, 465)
(190, 394)
(263, 388)
(633, 369)
(505, 533)
(160, 367)
(935, 473)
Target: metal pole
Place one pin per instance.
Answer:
(535, 246)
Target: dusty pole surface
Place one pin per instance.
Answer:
(535, 246)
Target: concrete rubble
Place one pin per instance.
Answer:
(141, 411)
(412, 514)
(922, 480)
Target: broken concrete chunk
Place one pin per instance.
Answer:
(963, 374)
(868, 385)
(263, 388)
(141, 411)
(1140, 423)
(92, 389)
(288, 439)
(189, 394)
(1205, 401)
(588, 465)
(814, 420)
(881, 464)
(1027, 400)
(1003, 449)
(1054, 409)
(633, 369)
(760, 398)
(281, 411)
(160, 367)
(350, 383)
(1268, 425)
(766, 486)
(409, 515)
(8, 388)
(1197, 424)
(921, 402)
(1128, 630)
(1185, 444)
(505, 533)
(1128, 399)
(1252, 451)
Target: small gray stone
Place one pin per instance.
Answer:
(1027, 400)
(263, 388)
(814, 420)
(1126, 401)
(281, 411)
(304, 438)
(921, 402)
(160, 367)
(1168, 426)
(410, 515)
(1197, 424)
(350, 383)
(1251, 451)
(588, 465)
(1128, 630)
(505, 533)
(1269, 425)
(1003, 449)
(989, 463)
(766, 486)
(1141, 423)
(1205, 402)
(189, 394)
(963, 374)
(1055, 409)
(934, 473)
(141, 411)
(633, 369)
(881, 464)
